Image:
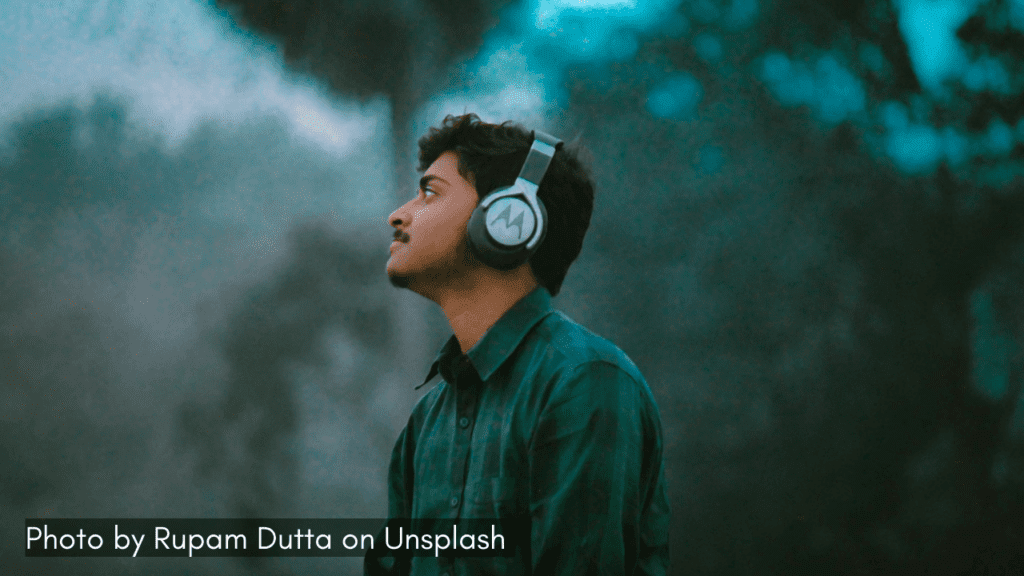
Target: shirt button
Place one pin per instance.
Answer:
(455, 501)
(463, 422)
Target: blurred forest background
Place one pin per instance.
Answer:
(808, 235)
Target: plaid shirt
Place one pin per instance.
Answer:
(544, 421)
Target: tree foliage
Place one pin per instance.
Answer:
(824, 364)
(821, 259)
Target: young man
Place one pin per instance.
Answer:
(534, 418)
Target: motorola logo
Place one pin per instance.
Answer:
(513, 221)
(506, 215)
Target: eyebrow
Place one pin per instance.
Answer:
(430, 178)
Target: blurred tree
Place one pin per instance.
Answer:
(820, 210)
(247, 435)
(91, 206)
(361, 48)
(831, 242)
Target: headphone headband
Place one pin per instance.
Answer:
(537, 161)
(515, 209)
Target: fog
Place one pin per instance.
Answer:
(807, 235)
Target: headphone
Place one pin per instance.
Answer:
(510, 223)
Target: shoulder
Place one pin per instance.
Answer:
(579, 350)
(584, 366)
(588, 385)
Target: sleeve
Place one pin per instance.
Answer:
(400, 482)
(597, 498)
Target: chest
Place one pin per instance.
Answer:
(472, 454)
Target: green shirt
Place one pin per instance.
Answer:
(541, 420)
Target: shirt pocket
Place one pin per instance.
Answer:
(494, 497)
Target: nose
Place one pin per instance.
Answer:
(400, 217)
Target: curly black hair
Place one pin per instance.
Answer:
(490, 157)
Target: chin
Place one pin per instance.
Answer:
(397, 276)
(398, 280)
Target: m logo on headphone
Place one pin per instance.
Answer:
(508, 224)
(514, 221)
(517, 222)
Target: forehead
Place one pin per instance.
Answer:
(447, 167)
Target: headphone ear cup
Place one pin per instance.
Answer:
(485, 248)
(476, 236)
(542, 222)
(492, 253)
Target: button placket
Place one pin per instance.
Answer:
(465, 404)
(463, 398)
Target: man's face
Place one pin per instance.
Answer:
(430, 248)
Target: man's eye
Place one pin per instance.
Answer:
(428, 191)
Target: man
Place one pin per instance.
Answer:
(535, 418)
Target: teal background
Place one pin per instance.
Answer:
(807, 235)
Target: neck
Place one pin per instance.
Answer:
(476, 304)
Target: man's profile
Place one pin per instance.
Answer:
(534, 417)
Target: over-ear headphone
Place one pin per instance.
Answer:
(510, 223)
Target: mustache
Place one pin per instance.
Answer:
(401, 236)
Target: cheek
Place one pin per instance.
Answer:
(455, 231)
(449, 227)
(460, 217)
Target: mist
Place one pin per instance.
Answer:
(807, 235)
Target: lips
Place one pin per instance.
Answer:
(400, 238)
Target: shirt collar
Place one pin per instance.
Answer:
(502, 338)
